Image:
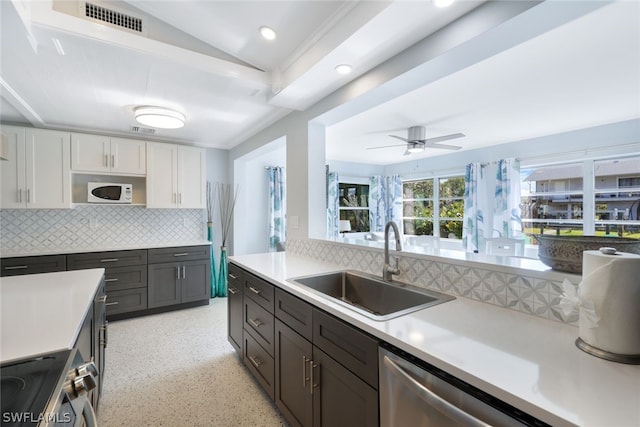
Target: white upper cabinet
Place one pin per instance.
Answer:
(102, 154)
(175, 176)
(36, 174)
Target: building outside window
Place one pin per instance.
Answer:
(354, 205)
(419, 200)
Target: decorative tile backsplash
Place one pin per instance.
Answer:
(38, 230)
(531, 295)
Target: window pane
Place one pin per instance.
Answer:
(422, 189)
(452, 187)
(353, 195)
(451, 207)
(617, 191)
(552, 200)
(359, 219)
(416, 208)
(418, 227)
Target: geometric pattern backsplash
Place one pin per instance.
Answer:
(23, 231)
(531, 295)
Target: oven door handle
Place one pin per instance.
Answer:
(431, 398)
(89, 415)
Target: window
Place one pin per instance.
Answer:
(419, 199)
(617, 212)
(354, 205)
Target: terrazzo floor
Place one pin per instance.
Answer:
(177, 369)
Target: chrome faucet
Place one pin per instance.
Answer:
(387, 270)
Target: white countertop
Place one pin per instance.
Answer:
(526, 361)
(103, 248)
(41, 313)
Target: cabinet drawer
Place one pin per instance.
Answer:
(259, 323)
(33, 264)
(126, 301)
(295, 313)
(260, 363)
(106, 259)
(120, 278)
(354, 349)
(178, 254)
(236, 276)
(260, 291)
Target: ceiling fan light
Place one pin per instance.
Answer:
(267, 33)
(158, 117)
(414, 147)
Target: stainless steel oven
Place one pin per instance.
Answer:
(48, 390)
(415, 393)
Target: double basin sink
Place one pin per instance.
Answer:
(370, 295)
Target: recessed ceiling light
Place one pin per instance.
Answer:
(443, 3)
(158, 117)
(343, 69)
(267, 33)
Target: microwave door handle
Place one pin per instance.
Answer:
(432, 399)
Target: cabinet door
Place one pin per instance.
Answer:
(128, 156)
(293, 394)
(33, 264)
(191, 180)
(12, 173)
(341, 399)
(47, 169)
(99, 339)
(162, 184)
(164, 284)
(90, 153)
(195, 280)
(234, 308)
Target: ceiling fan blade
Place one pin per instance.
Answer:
(445, 146)
(386, 146)
(399, 137)
(444, 138)
(407, 152)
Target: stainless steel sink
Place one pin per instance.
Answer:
(370, 295)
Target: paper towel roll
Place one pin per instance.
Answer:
(612, 284)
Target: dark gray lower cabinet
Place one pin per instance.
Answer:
(32, 264)
(178, 282)
(234, 307)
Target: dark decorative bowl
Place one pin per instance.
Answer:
(564, 253)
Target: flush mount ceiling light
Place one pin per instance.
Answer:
(415, 147)
(443, 3)
(158, 117)
(343, 69)
(267, 33)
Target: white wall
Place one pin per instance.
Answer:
(250, 228)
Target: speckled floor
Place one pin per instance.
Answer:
(177, 369)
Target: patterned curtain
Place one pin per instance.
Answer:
(277, 208)
(475, 208)
(385, 201)
(333, 207)
(507, 217)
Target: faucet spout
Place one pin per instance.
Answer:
(387, 270)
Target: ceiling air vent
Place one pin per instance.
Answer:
(143, 130)
(113, 17)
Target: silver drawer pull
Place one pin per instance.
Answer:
(254, 290)
(255, 322)
(101, 299)
(112, 303)
(255, 361)
(233, 276)
(109, 260)
(115, 279)
(17, 267)
(181, 254)
(233, 291)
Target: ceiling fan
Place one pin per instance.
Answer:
(416, 141)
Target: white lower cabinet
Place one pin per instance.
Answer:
(37, 172)
(175, 176)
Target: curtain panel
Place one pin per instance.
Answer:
(385, 201)
(277, 208)
(333, 207)
(507, 217)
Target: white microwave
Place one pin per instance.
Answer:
(107, 192)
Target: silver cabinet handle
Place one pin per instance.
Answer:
(255, 361)
(233, 291)
(113, 161)
(255, 322)
(233, 276)
(184, 272)
(112, 303)
(181, 254)
(304, 372)
(106, 160)
(101, 299)
(254, 290)
(109, 260)
(178, 273)
(115, 279)
(431, 398)
(28, 195)
(17, 267)
(312, 384)
(19, 195)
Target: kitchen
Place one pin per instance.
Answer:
(48, 230)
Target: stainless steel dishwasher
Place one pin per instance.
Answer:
(415, 393)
